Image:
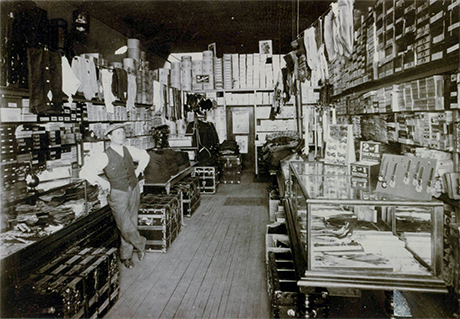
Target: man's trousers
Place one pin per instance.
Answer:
(125, 208)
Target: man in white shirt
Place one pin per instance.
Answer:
(117, 164)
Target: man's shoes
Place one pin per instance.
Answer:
(128, 263)
(141, 254)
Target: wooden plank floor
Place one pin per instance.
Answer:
(214, 269)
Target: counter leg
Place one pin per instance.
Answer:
(326, 303)
(309, 303)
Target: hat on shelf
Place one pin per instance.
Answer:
(113, 127)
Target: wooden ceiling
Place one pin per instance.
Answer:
(190, 25)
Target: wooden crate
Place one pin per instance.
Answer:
(231, 167)
(231, 175)
(98, 267)
(159, 220)
(191, 198)
(283, 293)
(207, 176)
(162, 245)
(42, 295)
(159, 210)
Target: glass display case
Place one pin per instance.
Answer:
(352, 240)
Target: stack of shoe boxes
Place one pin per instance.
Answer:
(452, 27)
(438, 15)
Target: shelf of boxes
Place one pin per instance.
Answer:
(410, 71)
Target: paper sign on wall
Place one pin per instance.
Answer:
(242, 141)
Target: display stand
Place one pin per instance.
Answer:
(364, 172)
(410, 176)
(340, 148)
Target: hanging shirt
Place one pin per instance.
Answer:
(311, 48)
(107, 87)
(70, 82)
(132, 92)
(336, 35)
(329, 40)
(85, 70)
(324, 72)
(345, 11)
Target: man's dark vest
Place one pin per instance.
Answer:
(120, 170)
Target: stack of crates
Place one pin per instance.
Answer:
(191, 198)
(231, 167)
(207, 176)
(160, 220)
(283, 292)
(81, 283)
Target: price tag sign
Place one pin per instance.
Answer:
(370, 152)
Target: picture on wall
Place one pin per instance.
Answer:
(240, 122)
(266, 47)
(242, 141)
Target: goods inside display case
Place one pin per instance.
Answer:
(343, 232)
(28, 221)
(355, 238)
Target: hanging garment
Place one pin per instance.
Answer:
(312, 53)
(295, 72)
(91, 87)
(157, 96)
(172, 105)
(28, 29)
(329, 40)
(132, 91)
(345, 12)
(206, 139)
(120, 84)
(286, 86)
(277, 96)
(304, 72)
(336, 36)
(319, 33)
(324, 72)
(70, 82)
(107, 87)
(164, 99)
(311, 48)
(177, 102)
(85, 71)
(45, 81)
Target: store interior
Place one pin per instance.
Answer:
(301, 158)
